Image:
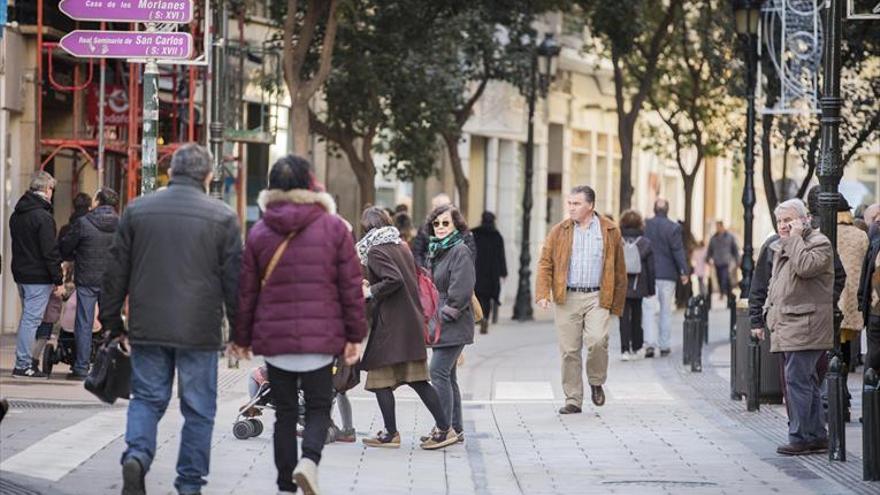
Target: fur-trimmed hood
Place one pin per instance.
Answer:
(289, 211)
(296, 196)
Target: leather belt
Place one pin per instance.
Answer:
(582, 289)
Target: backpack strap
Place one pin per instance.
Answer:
(276, 257)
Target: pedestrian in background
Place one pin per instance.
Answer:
(799, 315)
(869, 288)
(395, 353)
(36, 266)
(422, 240)
(452, 267)
(583, 270)
(404, 224)
(175, 257)
(88, 242)
(82, 204)
(491, 267)
(852, 246)
(639, 260)
(300, 305)
(670, 265)
(723, 253)
(698, 262)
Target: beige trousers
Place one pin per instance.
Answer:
(581, 321)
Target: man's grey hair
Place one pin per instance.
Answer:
(661, 206)
(795, 205)
(191, 160)
(42, 181)
(441, 199)
(587, 191)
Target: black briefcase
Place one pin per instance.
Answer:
(110, 378)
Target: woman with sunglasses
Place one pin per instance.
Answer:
(452, 266)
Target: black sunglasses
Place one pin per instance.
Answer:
(445, 223)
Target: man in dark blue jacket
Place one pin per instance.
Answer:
(88, 242)
(669, 265)
(36, 265)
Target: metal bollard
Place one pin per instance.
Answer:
(697, 348)
(836, 395)
(731, 305)
(754, 375)
(690, 321)
(871, 426)
(704, 318)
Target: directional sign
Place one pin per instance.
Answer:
(165, 11)
(127, 44)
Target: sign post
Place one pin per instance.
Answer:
(148, 45)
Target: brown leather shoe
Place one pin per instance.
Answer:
(598, 395)
(795, 449)
(569, 409)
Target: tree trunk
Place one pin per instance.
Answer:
(689, 183)
(299, 127)
(767, 164)
(461, 181)
(625, 131)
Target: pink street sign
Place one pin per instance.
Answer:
(165, 11)
(127, 44)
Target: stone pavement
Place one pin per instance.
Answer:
(663, 430)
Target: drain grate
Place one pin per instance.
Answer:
(43, 404)
(661, 483)
(9, 488)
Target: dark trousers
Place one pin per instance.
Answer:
(723, 273)
(872, 354)
(806, 419)
(318, 392)
(631, 334)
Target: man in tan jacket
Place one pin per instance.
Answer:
(799, 314)
(582, 269)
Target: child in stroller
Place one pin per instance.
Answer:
(63, 348)
(247, 425)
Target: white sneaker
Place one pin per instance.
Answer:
(640, 354)
(306, 476)
(625, 356)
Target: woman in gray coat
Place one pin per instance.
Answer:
(395, 353)
(452, 266)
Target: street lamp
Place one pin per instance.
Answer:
(748, 14)
(543, 66)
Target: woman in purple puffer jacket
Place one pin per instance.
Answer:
(302, 313)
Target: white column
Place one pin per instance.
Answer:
(566, 164)
(509, 211)
(464, 152)
(492, 175)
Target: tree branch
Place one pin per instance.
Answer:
(462, 114)
(861, 139)
(290, 72)
(304, 41)
(655, 48)
(326, 50)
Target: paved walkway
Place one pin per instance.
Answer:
(663, 430)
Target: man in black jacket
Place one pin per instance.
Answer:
(36, 265)
(88, 242)
(176, 255)
(867, 289)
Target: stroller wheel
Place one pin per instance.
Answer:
(257, 426)
(243, 429)
(48, 359)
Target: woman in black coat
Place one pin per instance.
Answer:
(491, 266)
(640, 284)
(395, 353)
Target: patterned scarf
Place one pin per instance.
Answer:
(376, 237)
(438, 246)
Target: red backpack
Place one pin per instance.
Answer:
(430, 299)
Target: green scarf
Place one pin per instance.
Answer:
(438, 246)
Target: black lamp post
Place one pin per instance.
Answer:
(543, 67)
(748, 13)
(830, 172)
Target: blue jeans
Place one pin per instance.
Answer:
(444, 362)
(34, 298)
(86, 299)
(723, 273)
(657, 314)
(152, 374)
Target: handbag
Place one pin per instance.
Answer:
(345, 377)
(478, 309)
(110, 377)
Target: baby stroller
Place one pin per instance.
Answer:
(246, 423)
(62, 349)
